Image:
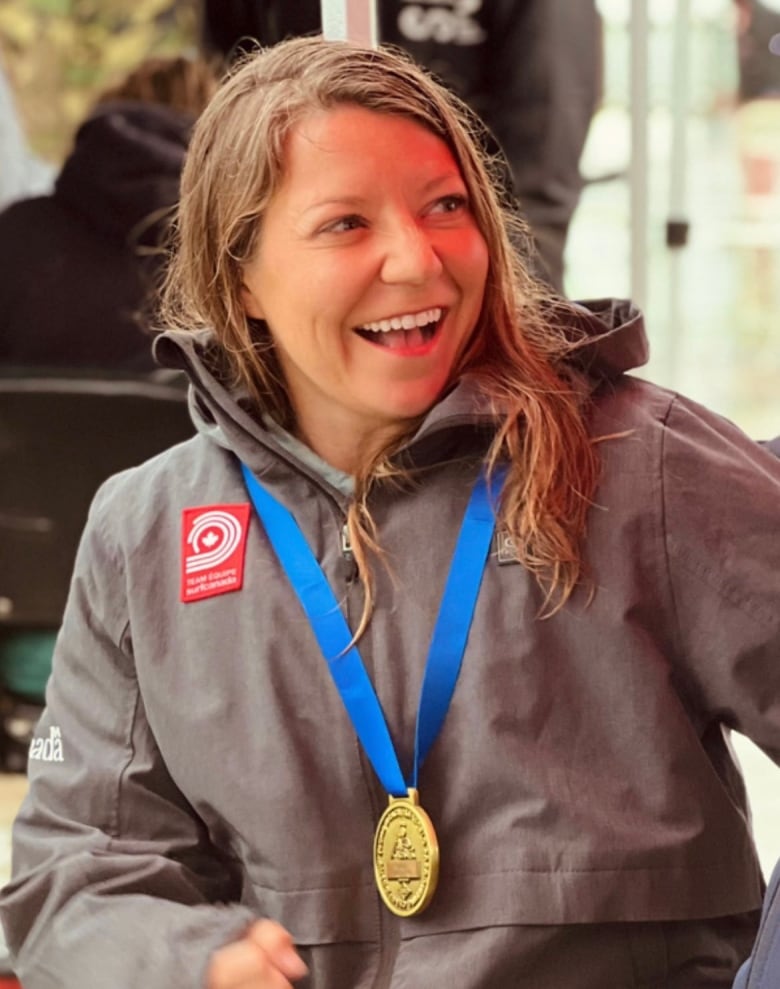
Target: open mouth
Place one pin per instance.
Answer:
(407, 332)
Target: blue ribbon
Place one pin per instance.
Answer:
(334, 636)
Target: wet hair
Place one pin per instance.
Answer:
(183, 84)
(517, 351)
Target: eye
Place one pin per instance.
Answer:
(344, 224)
(450, 204)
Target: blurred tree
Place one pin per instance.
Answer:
(59, 54)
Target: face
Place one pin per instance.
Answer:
(369, 273)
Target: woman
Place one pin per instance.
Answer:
(375, 379)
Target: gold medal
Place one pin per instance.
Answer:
(406, 856)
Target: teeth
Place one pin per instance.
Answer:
(406, 322)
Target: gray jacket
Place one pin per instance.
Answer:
(195, 768)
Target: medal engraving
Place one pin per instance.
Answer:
(406, 856)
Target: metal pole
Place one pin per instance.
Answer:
(682, 35)
(638, 170)
(677, 223)
(349, 20)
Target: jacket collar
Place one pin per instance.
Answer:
(614, 343)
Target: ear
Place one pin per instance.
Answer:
(252, 307)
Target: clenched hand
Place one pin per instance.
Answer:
(264, 958)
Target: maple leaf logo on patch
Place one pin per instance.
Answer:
(213, 536)
(213, 544)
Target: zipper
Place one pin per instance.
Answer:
(389, 943)
(346, 542)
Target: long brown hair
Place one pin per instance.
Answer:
(517, 351)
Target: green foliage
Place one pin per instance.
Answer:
(59, 54)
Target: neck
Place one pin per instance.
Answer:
(349, 450)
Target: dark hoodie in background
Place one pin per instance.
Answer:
(77, 266)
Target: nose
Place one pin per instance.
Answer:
(409, 256)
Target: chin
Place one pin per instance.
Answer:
(414, 399)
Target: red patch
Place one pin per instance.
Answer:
(213, 541)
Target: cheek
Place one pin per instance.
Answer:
(480, 262)
(310, 295)
(470, 262)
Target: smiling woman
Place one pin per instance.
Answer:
(417, 665)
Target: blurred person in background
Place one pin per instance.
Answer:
(759, 68)
(531, 69)
(79, 264)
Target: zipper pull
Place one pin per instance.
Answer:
(346, 545)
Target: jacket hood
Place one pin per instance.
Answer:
(614, 342)
(122, 176)
(614, 336)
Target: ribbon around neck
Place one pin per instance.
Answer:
(334, 637)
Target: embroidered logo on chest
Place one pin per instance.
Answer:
(212, 550)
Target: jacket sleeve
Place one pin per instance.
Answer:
(762, 969)
(773, 445)
(722, 539)
(115, 881)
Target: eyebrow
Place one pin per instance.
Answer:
(355, 201)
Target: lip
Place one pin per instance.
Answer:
(419, 350)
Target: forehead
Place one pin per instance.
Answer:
(353, 144)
